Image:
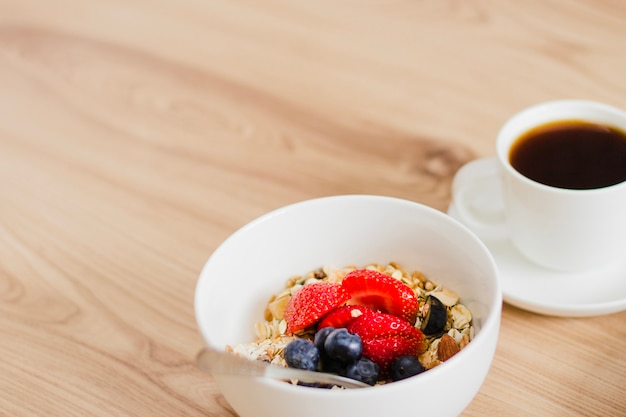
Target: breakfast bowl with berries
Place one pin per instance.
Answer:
(380, 290)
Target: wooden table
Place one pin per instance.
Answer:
(136, 135)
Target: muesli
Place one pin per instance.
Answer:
(376, 323)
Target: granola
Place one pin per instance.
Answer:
(271, 331)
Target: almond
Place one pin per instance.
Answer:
(447, 348)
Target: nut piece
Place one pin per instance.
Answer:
(446, 296)
(276, 307)
(447, 348)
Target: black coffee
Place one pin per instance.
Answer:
(571, 154)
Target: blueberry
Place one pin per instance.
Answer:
(320, 337)
(436, 317)
(363, 370)
(332, 366)
(342, 346)
(310, 384)
(404, 367)
(302, 354)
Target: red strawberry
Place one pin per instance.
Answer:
(386, 337)
(342, 316)
(311, 302)
(381, 292)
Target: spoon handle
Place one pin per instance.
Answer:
(220, 362)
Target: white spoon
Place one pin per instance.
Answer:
(221, 362)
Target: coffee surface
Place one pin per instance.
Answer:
(571, 154)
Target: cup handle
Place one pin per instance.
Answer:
(477, 199)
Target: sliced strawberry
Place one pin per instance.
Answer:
(381, 292)
(381, 325)
(386, 337)
(311, 302)
(342, 316)
(385, 351)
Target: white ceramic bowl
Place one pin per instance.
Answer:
(255, 262)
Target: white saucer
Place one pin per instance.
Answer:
(534, 288)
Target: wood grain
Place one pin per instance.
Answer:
(135, 136)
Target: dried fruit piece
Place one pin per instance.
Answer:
(311, 302)
(447, 348)
(386, 337)
(381, 292)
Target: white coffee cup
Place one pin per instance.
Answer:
(558, 228)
